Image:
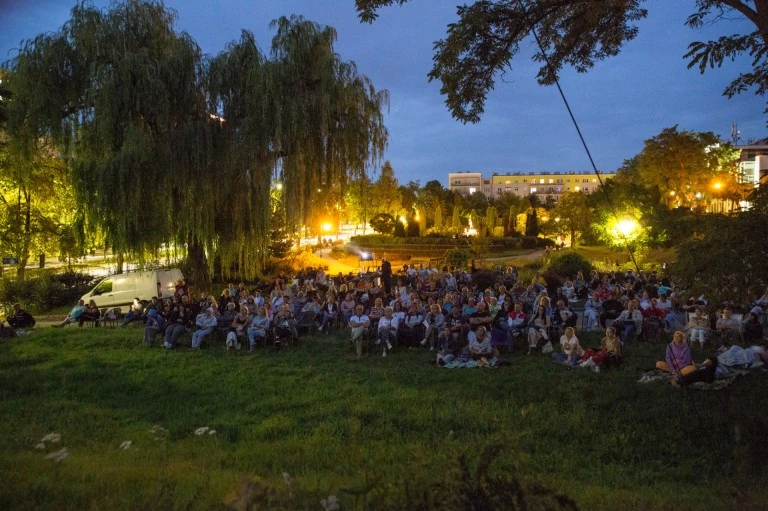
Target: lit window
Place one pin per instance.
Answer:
(550, 181)
(541, 181)
(533, 189)
(472, 190)
(507, 182)
(576, 188)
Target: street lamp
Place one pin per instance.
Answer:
(626, 226)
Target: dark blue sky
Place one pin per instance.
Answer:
(620, 103)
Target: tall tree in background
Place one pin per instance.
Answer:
(386, 194)
(573, 211)
(122, 92)
(491, 215)
(456, 220)
(438, 218)
(577, 33)
(37, 206)
(684, 165)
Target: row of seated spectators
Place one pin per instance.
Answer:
(442, 309)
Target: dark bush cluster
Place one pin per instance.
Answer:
(46, 292)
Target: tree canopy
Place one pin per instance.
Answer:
(169, 146)
(578, 33)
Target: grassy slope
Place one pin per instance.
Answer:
(331, 420)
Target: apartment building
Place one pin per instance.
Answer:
(541, 184)
(753, 164)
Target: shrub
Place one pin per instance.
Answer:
(457, 257)
(47, 291)
(484, 279)
(568, 263)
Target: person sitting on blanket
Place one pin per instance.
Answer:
(706, 373)
(572, 350)
(608, 355)
(677, 359)
(20, 318)
(480, 346)
(611, 346)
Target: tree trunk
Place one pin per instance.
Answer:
(197, 261)
(573, 238)
(119, 262)
(24, 255)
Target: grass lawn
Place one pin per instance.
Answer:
(374, 432)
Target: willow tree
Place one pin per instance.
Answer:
(167, 149)
(330, 124)
(303, 116)
(122, 92)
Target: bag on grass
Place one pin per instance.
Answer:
(547, 348)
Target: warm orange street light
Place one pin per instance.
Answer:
(327, 227)
(717, 185)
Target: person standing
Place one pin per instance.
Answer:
(386, 276)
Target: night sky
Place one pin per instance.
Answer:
(620, 103)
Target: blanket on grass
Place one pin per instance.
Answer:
(656, 375)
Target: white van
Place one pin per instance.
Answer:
(119, 290)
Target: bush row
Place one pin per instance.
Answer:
(372, 241)
(46, 291)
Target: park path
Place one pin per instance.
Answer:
(334, 265)
(510, 259)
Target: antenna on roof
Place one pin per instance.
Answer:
(735, 134)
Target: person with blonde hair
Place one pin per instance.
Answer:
(572, 350)
(677, 359)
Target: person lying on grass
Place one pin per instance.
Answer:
(677, 359)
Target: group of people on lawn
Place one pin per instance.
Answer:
(445, 311)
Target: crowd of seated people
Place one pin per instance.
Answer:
(442, 310)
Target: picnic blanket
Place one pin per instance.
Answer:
(656, 375)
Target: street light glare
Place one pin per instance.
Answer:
(626, 226)
(327, 227)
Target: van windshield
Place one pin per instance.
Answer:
(105, 286)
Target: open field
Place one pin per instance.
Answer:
(333, 422)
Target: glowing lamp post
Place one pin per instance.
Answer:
(626, 227)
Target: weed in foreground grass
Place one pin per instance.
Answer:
(335, 422)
